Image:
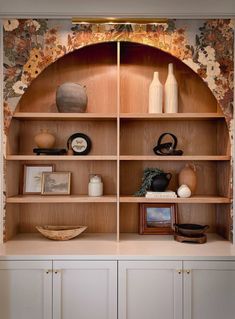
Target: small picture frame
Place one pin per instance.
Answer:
(157, 219)
(32, 177)
(56, 183)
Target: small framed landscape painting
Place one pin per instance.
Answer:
(56, 183)
(157, 218)
(32, 177)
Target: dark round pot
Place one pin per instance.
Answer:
(160, 182)
(191, 229)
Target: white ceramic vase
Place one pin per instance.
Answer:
(171, 92)
(184, 191)
(95, 186)
(155, 95)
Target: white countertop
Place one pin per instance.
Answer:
(105, 247)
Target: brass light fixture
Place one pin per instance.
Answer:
(116, 20)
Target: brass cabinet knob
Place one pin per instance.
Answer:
(188, 271)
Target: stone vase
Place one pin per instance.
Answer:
(71, 98)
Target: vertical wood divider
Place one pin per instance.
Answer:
(118, 140)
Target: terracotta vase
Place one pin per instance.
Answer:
(44, 139)
(188, 176)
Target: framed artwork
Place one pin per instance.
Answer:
(157, 218)
(32, 177)
(56, 183)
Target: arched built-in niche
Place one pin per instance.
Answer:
(137, 62)
(120, 95)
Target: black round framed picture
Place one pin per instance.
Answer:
(80, 144)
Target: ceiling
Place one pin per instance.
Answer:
(65, 8)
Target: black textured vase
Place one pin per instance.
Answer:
(160, 182)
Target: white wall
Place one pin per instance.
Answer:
(194, 8)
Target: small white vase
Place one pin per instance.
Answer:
(171, 92)
(184, 191)
(155, 95)
(95, 186)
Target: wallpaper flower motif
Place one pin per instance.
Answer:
(32, 45)
(212, 58)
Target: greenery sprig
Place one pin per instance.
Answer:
(149, 174)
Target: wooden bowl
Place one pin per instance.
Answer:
(60, 232)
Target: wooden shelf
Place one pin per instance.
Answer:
(172, 116)
(175, 158)
(110, 116)
(114, 158)
(64, 116)
(24, 199)
(61, 158)
(197, 199)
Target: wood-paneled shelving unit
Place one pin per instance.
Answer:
(123, 134)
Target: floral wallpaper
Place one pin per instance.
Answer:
(206, 46)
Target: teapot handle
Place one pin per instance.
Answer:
(168, 176)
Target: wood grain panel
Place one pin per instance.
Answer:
(224, 179)
(12, 221)
(194, 137)
(99, 218)
(200, 214)
(131, 173)
(13, 138)
(223, 139)
(224, 220)
(103, 134)
(14, 178)
(92, 66)
(138, 63)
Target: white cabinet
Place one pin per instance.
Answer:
(150, 289)
(88, 289)
(85, 290)
(25, 289)
(209, 290)
(161, 289)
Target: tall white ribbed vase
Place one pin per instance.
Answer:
(155, 95)
(171, 92)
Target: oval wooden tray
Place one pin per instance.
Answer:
(60, 232)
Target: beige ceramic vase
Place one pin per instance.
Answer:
(44, 139)
(188, 176)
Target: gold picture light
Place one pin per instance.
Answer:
(116, 20)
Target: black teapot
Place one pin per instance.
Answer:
(160, 182)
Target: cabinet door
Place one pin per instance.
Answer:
(209, 290)
(150, 289)
(85, 290)
(25, 289)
